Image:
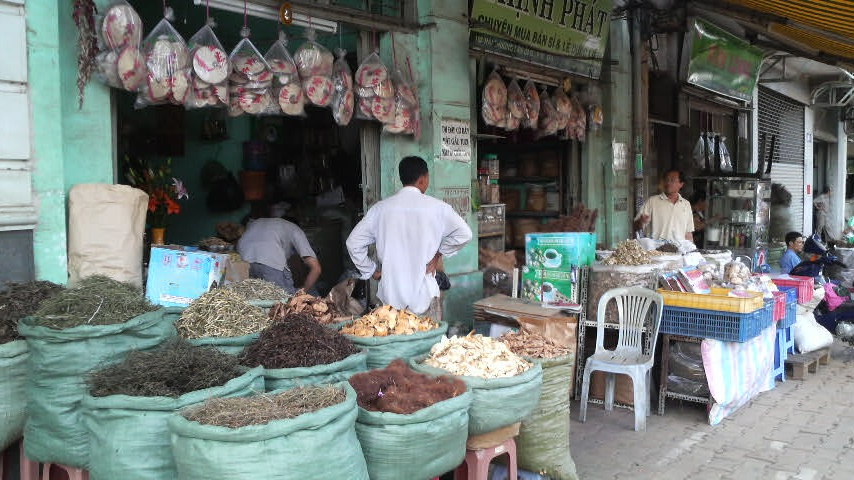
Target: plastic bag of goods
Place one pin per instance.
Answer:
(120, 63)
(402, 414)
(515, 105)
(287, 95)
(808, 333)
(563, 107)
(406, 107)
(167, 61)
(606, 277)
(496, 376)
(549, 118)
(343, 97)
(595, 117)
(372, 78)
(250, 81)
(305, 432)
(494, 101)
(209, 75)
(577, 126)
(532, 105)
(314, 63)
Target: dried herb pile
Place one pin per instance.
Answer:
(399, 389)
(324, 311)
(20, 300)
(171, 370)
(297, 340)
(221, 313)
(476, 356)
(96, 300)
(534, 345)
(630, 252)
(257, 289)
(387, 320)
(262, 409)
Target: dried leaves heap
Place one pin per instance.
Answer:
(533, 345)
(476, 356)
(20, 300)
(297, 340)
(387, 320)
(87, 42)
(96, 300)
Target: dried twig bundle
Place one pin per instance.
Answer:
(96, 300)
(221, 313)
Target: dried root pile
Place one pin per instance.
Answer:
(387, 320)
(399, 389)
(96, 300)
(21, 300)
(630, 252)
(321, 309)
(534, 345)
(171, 370)
(263, 409)
(297, 341)
(221, 313)
(476, 356)
(257, 289)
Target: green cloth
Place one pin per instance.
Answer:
(13, 396)
(342, 370)
(129, 436)
(60, 361)
(382, 350)
(543, 441)
(496, 402)
(418, 446)
(229, 345)
(321, 445)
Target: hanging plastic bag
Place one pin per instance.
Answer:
(726, 160)
(287, 94)
(371, 73)
(168, 66)
(532, 105)
(563, 107)
(120, 63)
(577, 125)
(209, 75)
(494, 101)
(406, 107)
(595, 117)
(314, 63)
(549, 121)
(515, 105)
(250, 80)
(343, 101)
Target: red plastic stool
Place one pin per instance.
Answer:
(29, 468)
(476, 464)
(73, 473)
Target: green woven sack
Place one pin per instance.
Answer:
(543, 441)
(340, 371)
(229, 345)
(129, 436)
(382, 350)
(321, 445)
(13, 396)
(59, 362)
(496, 402)
(418, 446)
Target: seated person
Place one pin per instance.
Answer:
(795, 245)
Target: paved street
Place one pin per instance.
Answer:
(800, 430)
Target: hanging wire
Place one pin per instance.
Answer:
(244, 32)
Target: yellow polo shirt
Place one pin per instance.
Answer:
(668, 220)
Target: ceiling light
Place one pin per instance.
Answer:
(270, 13)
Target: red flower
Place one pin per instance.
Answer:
(172, 207)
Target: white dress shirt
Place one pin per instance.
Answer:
(408, 229)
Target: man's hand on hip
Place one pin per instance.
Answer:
(433, 264)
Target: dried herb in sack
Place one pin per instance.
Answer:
(171, 370)
(21, 300)
(530, 344)
(297, 340)
(96, 300)
(263, 409)
(257, 289)
(321, 309)
(399, 389)
(221, 313)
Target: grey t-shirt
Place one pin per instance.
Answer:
(271, 241)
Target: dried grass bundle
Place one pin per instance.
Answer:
(263, 409)
(297, 340)
(221, 313)
(96, 300)
(20, 300)
(257, 289)
(171, 370)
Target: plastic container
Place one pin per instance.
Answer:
(549, 165)
(779, 305)
(717, 300)
(255, 155)
(791, 315)
(253, 183)
(804, 284)
(536, 201)
(717, 325)
(512, 198)
(522, 227)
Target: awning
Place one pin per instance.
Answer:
(823, 28)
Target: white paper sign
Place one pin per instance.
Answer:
(456, 140)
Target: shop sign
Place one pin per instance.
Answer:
(459, 198)
(456, 140)
(567, 35)
(722, 62)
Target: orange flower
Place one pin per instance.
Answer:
(172, 207)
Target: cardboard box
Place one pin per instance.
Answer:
(177, 276)
(560, 251)
(549, 286)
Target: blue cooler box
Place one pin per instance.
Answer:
(176, 276)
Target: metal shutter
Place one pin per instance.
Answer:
(780, 116)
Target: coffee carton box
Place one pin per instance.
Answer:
(560, 251)
(551, 287)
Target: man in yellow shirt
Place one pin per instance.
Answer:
(668, 214)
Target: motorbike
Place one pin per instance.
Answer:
(841, 320)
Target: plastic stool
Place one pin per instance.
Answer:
(29, 468)
(780, 355)
(73, 473)
(476, 464)
(788, 339)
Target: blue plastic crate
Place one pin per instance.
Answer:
(791, 315)
(791, 293)
(725, 326)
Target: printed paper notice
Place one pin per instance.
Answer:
(456, 140)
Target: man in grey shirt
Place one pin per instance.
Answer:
(268, 243)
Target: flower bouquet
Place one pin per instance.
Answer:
(164, 190)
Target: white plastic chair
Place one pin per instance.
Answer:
(639, 310)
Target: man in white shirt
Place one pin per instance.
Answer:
(668, 212)
(411, 231)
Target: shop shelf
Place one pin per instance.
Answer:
(804, 284)
(530, 213)
(717, 300)
(718, 325)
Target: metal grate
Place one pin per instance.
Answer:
(784, 118)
